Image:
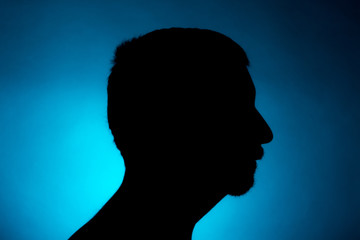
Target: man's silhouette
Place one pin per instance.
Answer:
(181, 108)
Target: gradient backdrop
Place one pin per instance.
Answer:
(58, 162)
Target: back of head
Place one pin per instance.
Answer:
(165, 87)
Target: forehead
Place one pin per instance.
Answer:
(249, 86)
(240, 87)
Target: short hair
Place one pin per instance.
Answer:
(162, 81)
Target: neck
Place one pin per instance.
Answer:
(163, 211)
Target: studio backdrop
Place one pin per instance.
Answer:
(58, 162)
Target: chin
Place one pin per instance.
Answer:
(242, 181)
(241, 190)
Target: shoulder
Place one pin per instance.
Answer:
(87, 231)
(99, 227)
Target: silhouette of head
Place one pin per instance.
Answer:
(181, 108)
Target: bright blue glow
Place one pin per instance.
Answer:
(58, 162)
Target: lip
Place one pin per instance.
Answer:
(259, 153)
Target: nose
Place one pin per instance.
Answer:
(264, 132)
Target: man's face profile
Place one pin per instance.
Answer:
(246, 144)
(237, 134)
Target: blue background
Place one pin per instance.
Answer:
(58, 162)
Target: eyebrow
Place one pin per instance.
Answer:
(252, 89)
